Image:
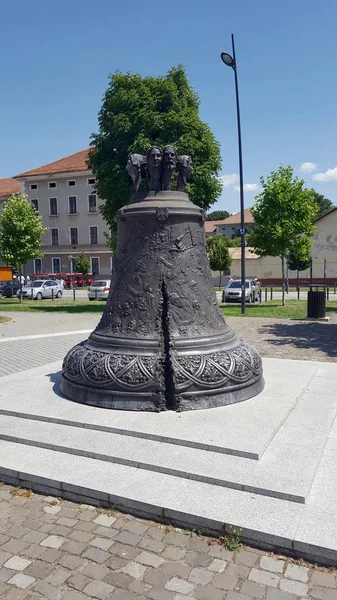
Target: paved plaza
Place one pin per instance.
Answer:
(54, 548)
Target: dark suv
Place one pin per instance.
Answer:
(8, 289)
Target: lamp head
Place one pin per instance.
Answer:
(227, 59)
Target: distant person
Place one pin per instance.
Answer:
(27, 282)
(22, 279)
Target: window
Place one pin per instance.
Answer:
(56, 265)
(52, 184)
(38, 266)
(93, 235)
(71, 182)
(35, 203)
(94, 265)
(33, 186)
(91, 181)
(53, 206)
(72, 205)
(54, 237)
(74, 236)
(92, 198)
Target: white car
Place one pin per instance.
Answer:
(43, 288)
(99, 290)
(233, 293)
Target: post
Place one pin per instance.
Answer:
(74, 294)
(334, 288)
(265, 294)
(95, 293)
(271, 292)
(327, 293)
(310, 273)
(52, 293)
(242, 203)
(324, 273)
(298, 292)
(287, 279)
(260, 295)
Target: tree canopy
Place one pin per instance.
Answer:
(82, 264)
(20, 232)
(283, 213)
(323, 203)
(138, 112)
(218, 254)
(218, 215)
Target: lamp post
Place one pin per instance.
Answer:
(71, 258)
(230, 61)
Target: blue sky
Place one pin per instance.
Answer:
(55, 58)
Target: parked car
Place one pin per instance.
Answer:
(99, 290)
(44, 288)
(233, 293)
(8, 289)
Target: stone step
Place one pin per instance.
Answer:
(286, 470)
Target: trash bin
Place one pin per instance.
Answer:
(316, 305)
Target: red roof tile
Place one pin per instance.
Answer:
(8, 186)
(236, 219)
(73, 162)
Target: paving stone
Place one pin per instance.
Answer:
(78, 581)
(58, 577)
(86, 515)
(116, 562)
(158, 594)
(51, 555)
(17, 563)
(39, 569)
(150, 560)
(201, 576)
(179, 585)
(122, 580)
(199, 545)
(53, 541)
(98, 589)
(5, 574)
(271, 564)
(273, 594)
(136, 527)
(236, 596)
(47, 527)
(322, 579)
(85, 526)
(47, 590)
(104, 520)
(264, 578)
(224, 581)
(252, 589)
(95, 571)
(74, 547)
(127, 552)
(96, 555)
(243, 557)
(52, 510)
(151, 545)
(174, 553)
(80, 536)
(176, 569)
(72, 595)
(3, 539)
(156, 533)
(323, 593)
(102, 543)
(21, 580)
(294, 587)
(17, 531)
(217, 565)
(239, 571)
(180, 597)
(126, 537)
(108, 532)
(156, 578)
(14, 546)
(16, 594)
(134, 569)
(33, 524)
(4, 556)
(174, 538)
(60, 530)
(33, 551)
(66, 522)
(207, 592)
(71, 513)
(297, 572)
(34, 537)
(218, 551)
(71, 561)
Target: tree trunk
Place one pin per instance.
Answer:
(20, 285)
(283, 296)
(219, 280)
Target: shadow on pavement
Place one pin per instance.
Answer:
(320, 336)
(55, 379)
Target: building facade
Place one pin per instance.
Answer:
(63, 193)
(229, 227)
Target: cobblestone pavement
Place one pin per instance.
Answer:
(34, 323)
(55, 549)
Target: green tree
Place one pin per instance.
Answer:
(82, 264)
(218, 254)
(299, 258)
(323, 203)
(138, 112)
(283, 213)
(218, 215)
(20, 233)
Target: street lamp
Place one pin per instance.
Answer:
(71, 258)
(230, 61)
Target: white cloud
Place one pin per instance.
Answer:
(307, 167)
(248, 187)
(228, 180)
(329, 175)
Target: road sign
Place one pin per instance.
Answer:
(242, 231)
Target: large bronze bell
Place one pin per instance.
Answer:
(162, 342)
